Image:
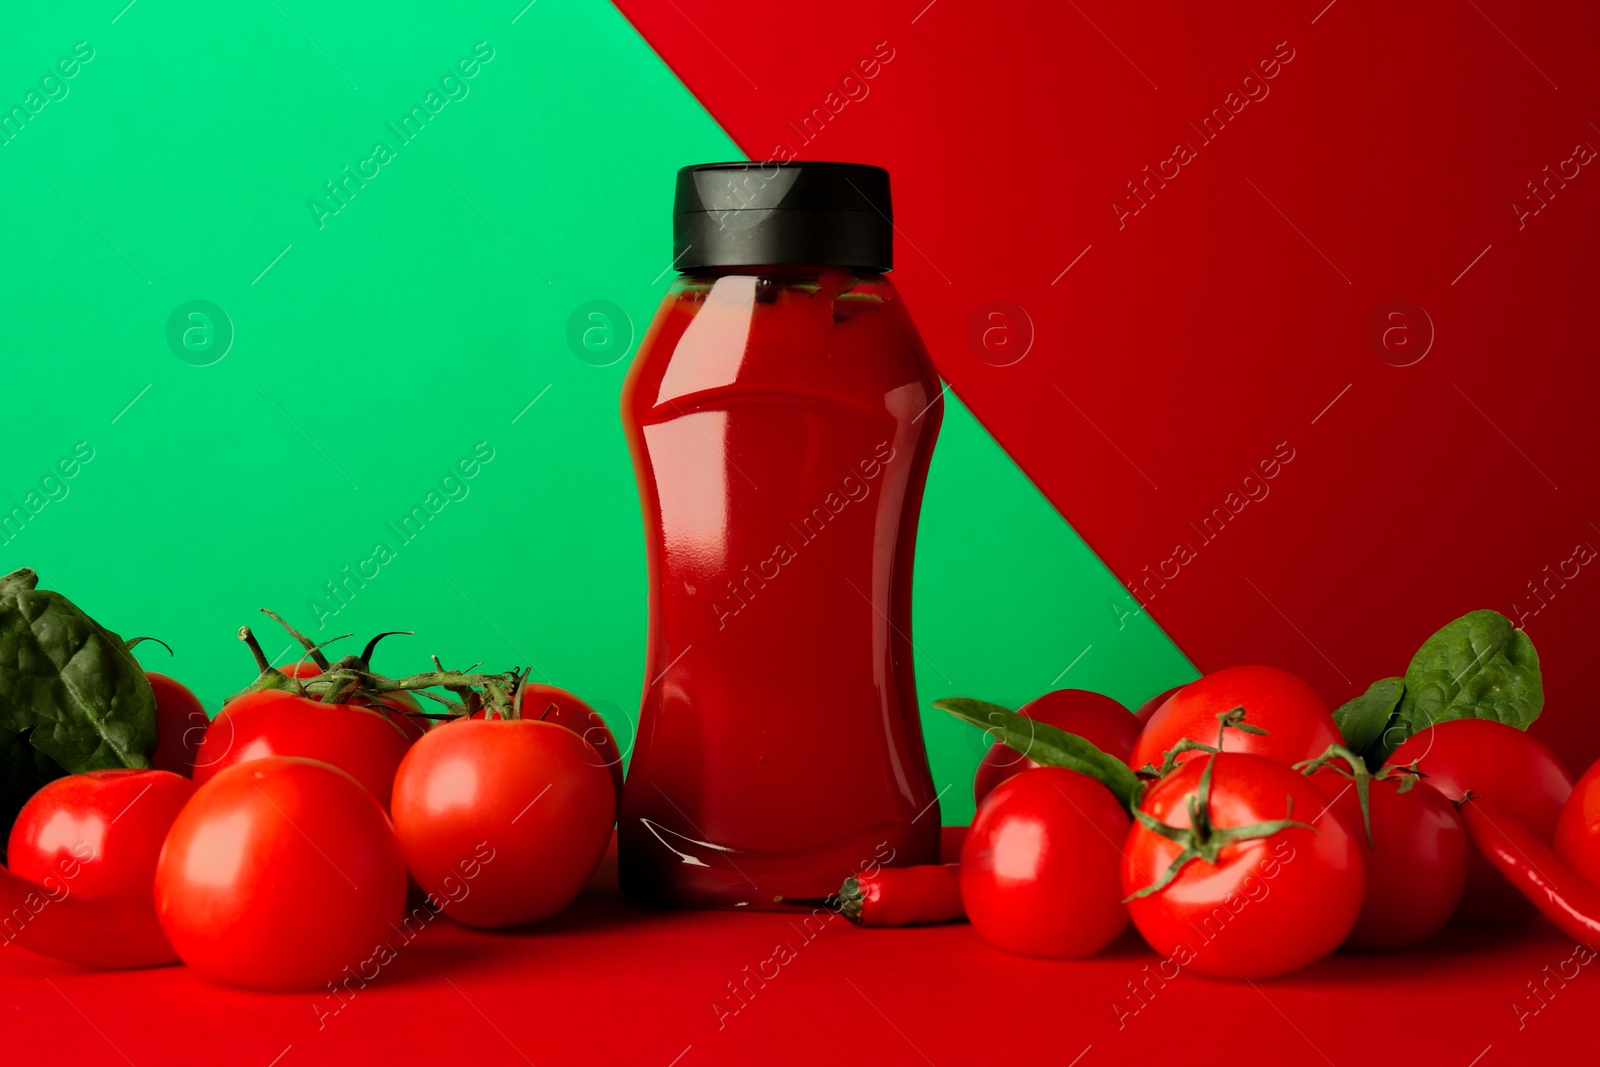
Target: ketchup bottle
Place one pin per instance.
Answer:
(781, 413)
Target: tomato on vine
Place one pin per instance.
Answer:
(1412, 842)
(1233, 870)
(1288, 721)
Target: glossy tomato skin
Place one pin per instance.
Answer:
(1039, 865)
(1270, 905)
(402, 709)
(274, 723)
(98, 833)
(1517, 772)
(1578, 829)
(1148, 708)
(181, 722)
(1298, 724)
(1094, 717)
(503, 821)
(278, 874)
(1416, 865)
(549, 703)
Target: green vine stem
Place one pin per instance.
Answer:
(1355, 768)
(351, 677)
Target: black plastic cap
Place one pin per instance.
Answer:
(776, 214)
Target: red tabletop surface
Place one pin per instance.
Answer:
(607, 982)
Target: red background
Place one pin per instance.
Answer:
(1227, 314)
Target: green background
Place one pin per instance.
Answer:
(372, 353)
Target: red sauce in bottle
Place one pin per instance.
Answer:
(781, 421)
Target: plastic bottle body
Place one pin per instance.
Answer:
(781, 422)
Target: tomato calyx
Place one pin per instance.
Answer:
(350, 680)
(1201, 840)
(1355, 768)
(1233, 719)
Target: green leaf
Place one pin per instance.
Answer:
(1363, 720)
(1477, 667)
(68, 684)
(1046, 745)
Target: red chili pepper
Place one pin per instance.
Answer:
(99, 931)
(903, 896)
(1534, 868)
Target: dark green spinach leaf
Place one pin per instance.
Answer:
(1477, 667)
(1363, 720)
(68, 686)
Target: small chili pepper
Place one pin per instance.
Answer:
(903, 896)
(1534, 868)
(112, 932)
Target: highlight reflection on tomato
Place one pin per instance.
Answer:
(104, 827)
(361, 741)
(503, 821)
(1267, 905)
(279, 873)
(1297, 724)
(1039, 866)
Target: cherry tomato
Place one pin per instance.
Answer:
(1297, 723)
(1094, 717)
(1039, 866)
(1578, 829)
(279, 874)
(547, 703)
(1267, 905)
(1416, 864)
(181, 722)
(99, 832)
(503, 821)
(271, 722)
(1148, 708)
(1514, 770)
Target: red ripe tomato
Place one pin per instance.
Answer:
(1094, 717)
(1512, 769)
(1148, 708)
(98, 832)
(547, 703)
(301, 668)
(1578, 829)
(1297, 723)
(1416, 864)
(270, 722)
(278, 874)
(401, 708)
(503, 821)
(1267, 905)
(1039, 865)
(181, 722)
